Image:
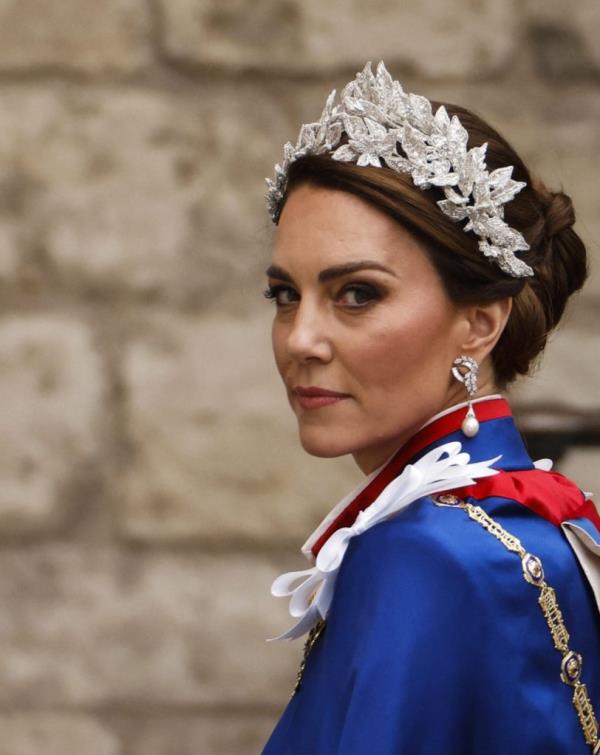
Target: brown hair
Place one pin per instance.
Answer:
(545, 218)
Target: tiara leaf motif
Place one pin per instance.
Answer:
(377, 115)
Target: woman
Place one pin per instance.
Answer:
(397, 325)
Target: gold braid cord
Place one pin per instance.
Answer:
(533, 572)
(313, 636)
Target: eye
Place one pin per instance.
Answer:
(280, 295)
(359, 294)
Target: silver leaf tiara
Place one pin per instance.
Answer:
(377, 116)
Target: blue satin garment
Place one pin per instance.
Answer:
(435, 643)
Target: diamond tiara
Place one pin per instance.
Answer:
(377, 116)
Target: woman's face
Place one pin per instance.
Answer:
(362, 313)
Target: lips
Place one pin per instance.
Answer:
(313, 397)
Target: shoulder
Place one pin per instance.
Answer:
(435, 557)
(424, 534)
(420, 581)
(432, 561)
(448, 537)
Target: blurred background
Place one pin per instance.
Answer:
(152, 481)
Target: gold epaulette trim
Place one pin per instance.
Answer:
(533, 572)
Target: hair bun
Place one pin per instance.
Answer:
(563, 268)
(559, 214)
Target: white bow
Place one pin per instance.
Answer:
(442, 468)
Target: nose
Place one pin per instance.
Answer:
(308, 337)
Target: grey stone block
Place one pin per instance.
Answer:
(78, 35)
(565, 39)
(172, 208)
(35, 732)
(101, 626)
(221, 733)
(434, 39)
(567, 375)
(52, 387)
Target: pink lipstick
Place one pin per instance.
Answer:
(314, 397)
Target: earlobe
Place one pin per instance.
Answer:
(486, 323)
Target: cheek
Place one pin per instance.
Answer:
(413, 352)
(278, 337)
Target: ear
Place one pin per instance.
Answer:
(485, 323)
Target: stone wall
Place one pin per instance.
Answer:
(153, 485)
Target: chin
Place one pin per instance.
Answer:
(326, 444)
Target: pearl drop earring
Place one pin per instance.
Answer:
(470, 367)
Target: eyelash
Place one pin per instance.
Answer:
(272, 292)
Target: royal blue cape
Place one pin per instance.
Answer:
(434, 642)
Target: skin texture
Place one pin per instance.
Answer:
(387, 339)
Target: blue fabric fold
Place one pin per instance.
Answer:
(436, 644)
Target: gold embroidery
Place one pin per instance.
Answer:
(533, 573)
(554, 618)
(509, 541)
(583, 705)
(313, 636)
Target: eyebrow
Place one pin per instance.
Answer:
(330, 273)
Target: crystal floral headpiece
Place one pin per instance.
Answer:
(377, 116)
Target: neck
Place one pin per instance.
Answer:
(370, 460)
(498, 437)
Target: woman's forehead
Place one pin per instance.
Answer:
(322, 227)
